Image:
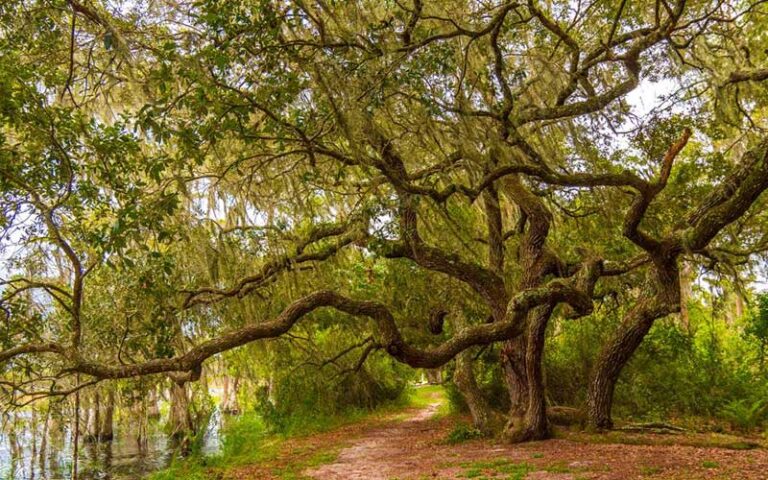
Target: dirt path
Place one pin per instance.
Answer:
(411, 446)
(384, 452)
(414, 449)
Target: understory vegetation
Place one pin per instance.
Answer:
(257, 436)
(706, 375)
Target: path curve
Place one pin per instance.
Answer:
(381, 453)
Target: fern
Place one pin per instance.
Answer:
(744, 414)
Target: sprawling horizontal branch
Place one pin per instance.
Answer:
(489, 285)
(46, 347)
(757, 75)
(387, 333)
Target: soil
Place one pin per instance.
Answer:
(412, 446)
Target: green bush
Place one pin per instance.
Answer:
(745, 414)
(462, 433)
(713, 369)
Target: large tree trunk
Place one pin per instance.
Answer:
(534, 424)
(521, 357)
(617, 352)
(515, 377)
(609, 365)
(464, 378)
(181, 424)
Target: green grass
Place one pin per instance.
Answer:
(497, 469)
(510, 470)
(462, 433)
(709, 464)
(707, 440)
(649, 470)
(425, 395)
(559, 467)
(248, 440)
(292, 471)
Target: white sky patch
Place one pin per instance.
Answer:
(648, 95)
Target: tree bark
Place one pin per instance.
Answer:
(522, 356)
(687, 277)
(464, 378)
(534, 424)
(617, 352)
(181, 424)
(609, 365)
(513, 366)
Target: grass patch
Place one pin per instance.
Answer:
(495, 468)
(510, 470)
(246, 441)
(292, 471)
(425, 395)
(559, 467)
(709, 464)
(249, 440)
(706, 440)
(649, 470)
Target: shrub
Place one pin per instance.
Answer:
(462, 433)
(745, 414)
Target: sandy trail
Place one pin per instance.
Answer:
(414, 449)
(384, 452)
(410, 446)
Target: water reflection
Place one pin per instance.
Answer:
(24, 455)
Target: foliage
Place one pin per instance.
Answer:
(462, 433)
(757, 327)
(705, 371)
(745, 414)
(496, 468)
(252, 438)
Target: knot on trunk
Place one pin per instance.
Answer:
(436, 320)
(394, 348)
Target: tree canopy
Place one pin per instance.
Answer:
(183, 178)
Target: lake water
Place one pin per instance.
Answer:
(121, 459)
